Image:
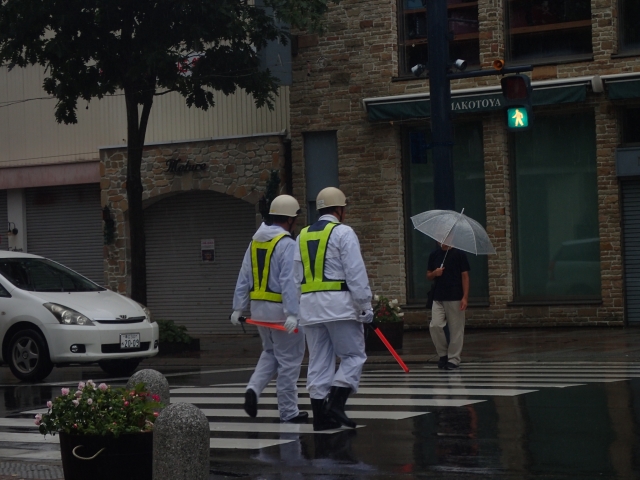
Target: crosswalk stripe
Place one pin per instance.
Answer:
(499, 392)
(451, 382)
(15, 437)
(356, 414)
(244, 443)
(17, 422)
(534, 376)
(353, 401)
(247, 427)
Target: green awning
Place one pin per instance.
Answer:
(405, 107)
(623, 89)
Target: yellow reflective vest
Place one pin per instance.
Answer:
(260, 263)
(313, 250)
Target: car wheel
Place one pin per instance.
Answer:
(120, 367)
(29, 356)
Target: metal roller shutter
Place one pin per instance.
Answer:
(182, 288)
(631, 239)
(4, 241)
(64, 223)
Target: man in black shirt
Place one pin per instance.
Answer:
(449, 268)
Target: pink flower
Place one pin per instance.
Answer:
(81, 385)
(37, 422)
(78, 393)
(65, 391)
(155, 414)
(126, 404)
(75, 402)
(103, 386)
(89, 401)
(75, 425)
(155, 398)
(38, 419)
(91, 383)
(49, 404)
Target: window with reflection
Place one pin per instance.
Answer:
(631, 126)
(556, 209)
(412, 33)
(468, 164)
(629, 26)
(543, 29)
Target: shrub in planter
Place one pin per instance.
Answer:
(174, 338)
(387, 316)
(105, 433)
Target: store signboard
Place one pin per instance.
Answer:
(208, 250)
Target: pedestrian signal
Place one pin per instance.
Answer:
(517, 92)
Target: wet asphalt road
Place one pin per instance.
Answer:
(524, 420)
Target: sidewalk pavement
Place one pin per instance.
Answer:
(558, 344)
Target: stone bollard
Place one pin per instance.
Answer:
(154, 382)
(181, 443)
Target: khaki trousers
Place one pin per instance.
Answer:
(443, 313)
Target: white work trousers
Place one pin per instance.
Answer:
(443, 313)
(343, 338)
(282, 354)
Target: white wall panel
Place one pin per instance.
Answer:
(29, 134)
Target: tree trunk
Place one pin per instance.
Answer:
(136, 130)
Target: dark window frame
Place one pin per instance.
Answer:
(473, 63)
(419, 302)
(537, 300)
(544, 59)
(623, 49)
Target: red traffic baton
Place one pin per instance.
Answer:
(275, 326)
(390, 348)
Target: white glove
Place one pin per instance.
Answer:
(235, 317)
(366, 316)
(291, 323)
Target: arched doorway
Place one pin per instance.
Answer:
(181, 286)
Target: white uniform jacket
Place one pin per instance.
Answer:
(343, 262)
(280, 279)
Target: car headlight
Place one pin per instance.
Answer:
(147, 312)
(67, 316)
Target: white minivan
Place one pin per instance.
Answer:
(50, 315)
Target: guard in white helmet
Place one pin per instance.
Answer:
(266, 280)
(335, 302)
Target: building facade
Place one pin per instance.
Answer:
(558, 200)
(63, 191)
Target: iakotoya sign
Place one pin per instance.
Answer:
(483, 103)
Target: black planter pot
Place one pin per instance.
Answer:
(393, 332)
(98, 457)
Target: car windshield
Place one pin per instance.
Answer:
(42, 275)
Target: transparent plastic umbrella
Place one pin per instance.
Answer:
(454, 229)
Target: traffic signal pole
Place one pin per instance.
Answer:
(440, 99)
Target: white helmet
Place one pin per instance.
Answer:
(330, 197)
(284, 205)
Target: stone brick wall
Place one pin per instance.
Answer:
(236, 166)
(357, 58)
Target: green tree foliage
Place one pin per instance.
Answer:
(144, 48)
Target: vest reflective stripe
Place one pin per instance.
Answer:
(314, 280)
(261, 283)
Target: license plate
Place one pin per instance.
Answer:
(129, 340)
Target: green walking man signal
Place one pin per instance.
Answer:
(517, 92)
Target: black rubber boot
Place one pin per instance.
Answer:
(250, 403)
(320, 420)
(334, 405)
